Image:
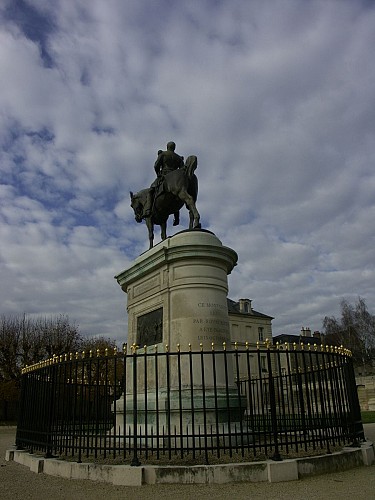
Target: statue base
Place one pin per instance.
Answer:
(177, 292)
(177, 304)
(216, 417)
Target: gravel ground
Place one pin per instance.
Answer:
(18, 483)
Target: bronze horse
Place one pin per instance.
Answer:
(178, 188)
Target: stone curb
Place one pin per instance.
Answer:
(125, 475)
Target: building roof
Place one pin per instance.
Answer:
(298, 339)
(234, 308)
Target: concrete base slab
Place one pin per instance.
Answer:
(35, 464)
(59, 468)
(286, 470)
(9, 455)
(368, 454)
(125, 475)
(206, 474)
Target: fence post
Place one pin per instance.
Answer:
(25, 384)
(276, 456)
(204, 404)
(50, 390)
(135, 461)
(356, 426)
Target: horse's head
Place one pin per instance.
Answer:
(190, 165)
(137, 205)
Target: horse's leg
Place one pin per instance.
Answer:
(150, 227)
(191, 219)
(163, 227)
(189, 202)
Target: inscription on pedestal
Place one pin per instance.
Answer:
(212, 322)
(150, 328)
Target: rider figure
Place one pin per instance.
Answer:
(166, 162)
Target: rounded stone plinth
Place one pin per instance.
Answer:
(182, 284)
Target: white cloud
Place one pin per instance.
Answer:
(275, 99)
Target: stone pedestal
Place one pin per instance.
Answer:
(177, 300)
(177, 292)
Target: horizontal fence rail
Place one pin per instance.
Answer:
(202, 406)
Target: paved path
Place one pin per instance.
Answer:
(18, 483)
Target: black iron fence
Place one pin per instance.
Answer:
(155, 404)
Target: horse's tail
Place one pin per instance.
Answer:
(191, 164)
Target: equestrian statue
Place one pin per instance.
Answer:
(176, 185)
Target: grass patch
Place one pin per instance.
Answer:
(368, 417)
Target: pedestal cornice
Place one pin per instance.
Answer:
(187, 246)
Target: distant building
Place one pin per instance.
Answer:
(305, 337)
(287, 341)
(248, 325)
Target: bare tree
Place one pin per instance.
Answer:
(58, 335)
(25, 340)
(98, 343)
(9, 348)
(355, 330)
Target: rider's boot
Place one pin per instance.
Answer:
(176, 219)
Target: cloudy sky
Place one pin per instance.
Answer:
(277, 100)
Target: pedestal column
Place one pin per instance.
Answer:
(177, 297)
(177, 292)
